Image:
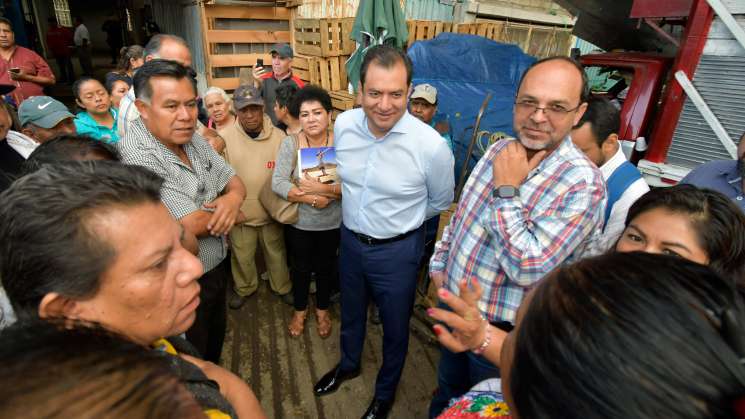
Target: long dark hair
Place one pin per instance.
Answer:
(630, 335)
(718, 223)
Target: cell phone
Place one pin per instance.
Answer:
(259, 62)
(15, 70)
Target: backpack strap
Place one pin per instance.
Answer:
(618, 182)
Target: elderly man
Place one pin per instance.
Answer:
(596, 135)
(725, 176)
(167, 47)
(423, 105)
(251, 145)
(396, 172)
(200, 189)
(21, 67)
(281, 73)
(531, 203)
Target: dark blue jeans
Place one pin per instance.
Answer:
(456, 374)
(387, 273)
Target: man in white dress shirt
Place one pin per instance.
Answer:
(596, 135)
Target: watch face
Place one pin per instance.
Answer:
(507, 191)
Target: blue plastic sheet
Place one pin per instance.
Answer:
(464, 68)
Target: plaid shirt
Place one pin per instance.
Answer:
(186, 189)
(508, 245)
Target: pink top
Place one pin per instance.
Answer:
(31, 63)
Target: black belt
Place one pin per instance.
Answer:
(372, 241)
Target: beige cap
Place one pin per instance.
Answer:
(425, 91)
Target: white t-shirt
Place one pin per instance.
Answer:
(81, 32)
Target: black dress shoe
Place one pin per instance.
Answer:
(378, 409)
(330, 382)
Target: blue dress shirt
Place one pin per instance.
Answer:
(392, 184)
(722, 176)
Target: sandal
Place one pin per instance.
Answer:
(297, 324)
(324, 323)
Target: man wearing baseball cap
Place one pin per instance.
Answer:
(281, 73)
(43, 118)
(251, 145)
(423, 105)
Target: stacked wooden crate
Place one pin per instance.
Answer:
(322, 48)
(422, 30)
(236, 36)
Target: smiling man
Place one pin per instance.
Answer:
(280, 74)
(531, 203)
(200, 189)
(396, 172)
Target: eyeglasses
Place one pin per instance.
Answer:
(551, 111)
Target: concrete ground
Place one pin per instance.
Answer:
(282, 370)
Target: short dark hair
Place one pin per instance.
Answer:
(310, 93)
(79, 83)
(95, 371)
(112, 78)
(603, 117)
(718, 223)
(69, 148)
(159, 68)
(47, 241)
(584, 94)
(633, 335)
(385, 56)
(5, 20)
(283, 95)
(152, 47)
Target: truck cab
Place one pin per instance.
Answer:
(641, 76)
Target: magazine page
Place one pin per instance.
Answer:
(318, 163)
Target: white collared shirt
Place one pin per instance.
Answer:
(21, 143)
(616, 222)
(391, 185)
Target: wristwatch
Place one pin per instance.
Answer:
(506, 191)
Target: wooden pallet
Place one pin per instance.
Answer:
(422, 30)
(342, 100)
(323, 37)
(245, 35)
(328, 73)
(301, 67)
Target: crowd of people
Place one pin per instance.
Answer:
(567, 288)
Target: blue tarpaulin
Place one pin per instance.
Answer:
(464, 68)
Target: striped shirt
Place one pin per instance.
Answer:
(185, 189)
(509, 244)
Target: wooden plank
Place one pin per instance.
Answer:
(300, 62)
(238, 60)
(205, 44)
(247, 12)
(226, 83)
(308, 37)
(314, 50)
(249, 37)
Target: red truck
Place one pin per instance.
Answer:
(655, 106)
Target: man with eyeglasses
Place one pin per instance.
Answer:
(531, 203)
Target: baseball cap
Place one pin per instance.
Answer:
(425, 91)
(43, 111)
(245, 95)
(283, 50)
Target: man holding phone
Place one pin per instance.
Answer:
(21, 67)
(280, 73)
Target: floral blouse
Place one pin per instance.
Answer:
(483, 401)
